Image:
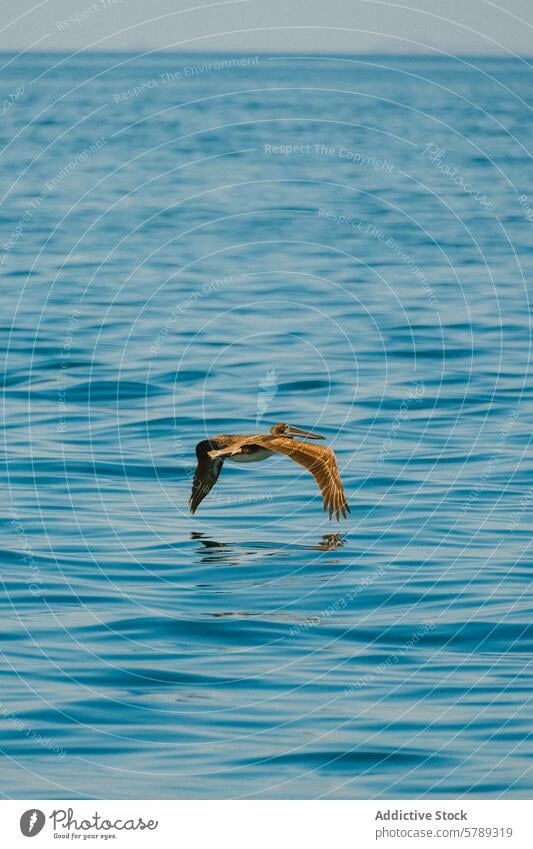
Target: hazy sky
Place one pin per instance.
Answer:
(456, 26)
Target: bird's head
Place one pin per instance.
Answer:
(292, 431)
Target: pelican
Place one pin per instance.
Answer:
(282, 439)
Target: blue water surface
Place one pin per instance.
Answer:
(196, 244)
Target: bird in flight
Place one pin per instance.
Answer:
(282, 439)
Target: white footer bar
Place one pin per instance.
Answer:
(268, 824)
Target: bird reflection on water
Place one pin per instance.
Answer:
(214, 551)
(329, 542)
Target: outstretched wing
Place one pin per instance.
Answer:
(206, 474)
(318, 460)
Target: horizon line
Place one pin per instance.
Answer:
(436, 53)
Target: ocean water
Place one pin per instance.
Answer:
(192, 245)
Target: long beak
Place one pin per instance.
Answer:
(296, 431)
